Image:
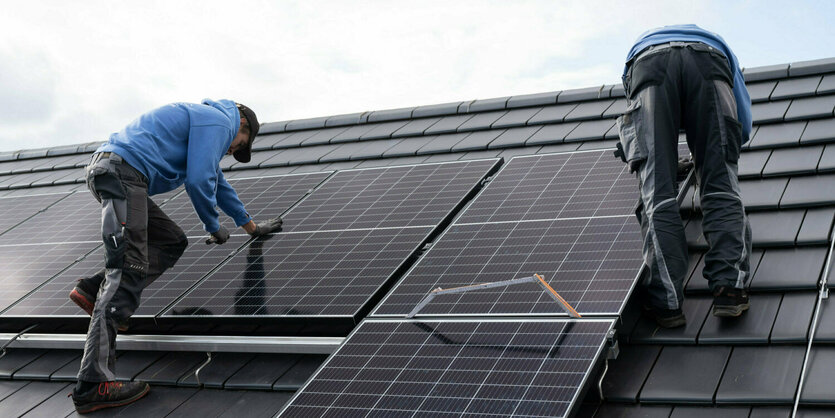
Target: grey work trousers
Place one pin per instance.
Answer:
(140, 243)
(685, 85)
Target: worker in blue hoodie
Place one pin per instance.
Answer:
(180, 143)
(683, 76)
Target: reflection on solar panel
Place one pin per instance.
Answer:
(455, 367)
(591, 262)
(413, 195)
(305, 274)
(51, 299)
(263, 197)
(76, 218)
(18, 209)
(25, 267)
(555, 186)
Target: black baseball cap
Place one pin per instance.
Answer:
(245, 154)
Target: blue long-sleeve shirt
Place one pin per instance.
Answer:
(693, 33)
(182, 143)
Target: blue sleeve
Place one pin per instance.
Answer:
(205, 149)
(228, 201)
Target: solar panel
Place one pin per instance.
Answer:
(25, 267)
(51, 299)
(456, 367)
(414, 195)
(553, 186)
(332, 273)
(19, 208)
(76, 218)
(263, 197)
(591, 262)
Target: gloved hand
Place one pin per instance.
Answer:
(218, 237)
(685, 164)
(266, 227)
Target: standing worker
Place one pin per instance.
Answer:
(683, 76)
(156, 153)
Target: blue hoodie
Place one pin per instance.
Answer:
(693, 33)
(183, 143)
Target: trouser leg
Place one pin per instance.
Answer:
(166, 243)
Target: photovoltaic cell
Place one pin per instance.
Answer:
(455, 368)
(25, 267)
(263, 198)
(556, 186)
(52, 298)
(76, 218)
(401, 196)
(591, 262)
(303, 274)
(18, 209)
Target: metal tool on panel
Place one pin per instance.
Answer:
(536, 278)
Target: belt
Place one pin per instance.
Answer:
(668, 45)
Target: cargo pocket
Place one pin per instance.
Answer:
(733, 139)
(634, 149)
(114, 249)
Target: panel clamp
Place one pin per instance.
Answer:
(11, 340)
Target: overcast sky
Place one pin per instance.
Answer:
(73, 72)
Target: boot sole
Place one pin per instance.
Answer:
(102, 405)
(729, 311)
(83, 302)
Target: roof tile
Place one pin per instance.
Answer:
(812, 107)
(803, 160)
(323, 136)
(822, 130)
(695, 308)
(782, 135)
(347, 119)
(616, 109)
(754, 327)
(576, 95)
(383, 130)
(477, 140)
(312, 123)
(590, 130)
(770, 111)
(442, 143)
(436, 110)
(448, 124)
(391, 114)
(628, 372)
(789, 268)
(537, 99)
(514, 137)
(589, 110)
(352, 134)
(793, 318)
(552, 114)
(760, 92)
(763, 375)
(762, 194)
(415, 127)
(408, 146)
(483, 105)
(827, 85)
(809, 191)
(766, 72)
(796, 87)
(825, 65)
(817, 226)
(551, 134)
(516, 117)
(685, 375)
(481, 121)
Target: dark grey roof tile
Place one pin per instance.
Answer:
(822, 130)
(627, 373)
(415, 127)
(477, 140)
(483, 105)
(617, 91)
(827, 85)
(809, 191)
(130, 363)
(481, 121)
(760, 92)
(762, 193)
(312, 123)
(751, 163)
(341, 165)
(255, 404)
(392, 161)
(551, 134)
(257, 159)
(826, 323)
(789, 268)
(761, 375)
(514, 137)
(607, 144)
(695, 262)
(589, 110)
(615, 410)
(616, 109)
(31, 153)
(171, 367)
(294, 378)
(351, 134)
(436, 110)
(265, 142)
(383, 130)
(698, 284)
(439, 158)
(262, 371)
(160, 402)
(781, 135)
(43, 178)
(272, 127)
(479, 155)
(555, 148)
(8, 156)
(817, 226)
(685, 375)
(827, 162)
(323, 136)
(222, 367)
(681, 411)
(68, 161)
(754, 327)
(358, 150)
(448, 124)
(825, 65)
(347, 119)
(44, 366)
(512, 152)
(16, 359)
(29, 397)
(812, 107)
(206, 403)
(408, 146)
(65, 176)
(796, 87)
(590, 130)
(770, 111)
(576, 95)
(775, 229)
(537, 99)
(295, 139)
(62, 150)
(303, 155)
(90, 147)
(311, 168)
(766, 72)
(818, 386)
(515, 117)
(801, 160)
(695, 308)
(552, 114)
(441, 143)
(793, 318)
(390, 114)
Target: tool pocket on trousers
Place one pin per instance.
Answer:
(733, 139)
(629, 124)
(114, 249)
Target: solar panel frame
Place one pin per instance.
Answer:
(434, 373)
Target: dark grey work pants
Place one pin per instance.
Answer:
(140, 243)
(685, 85)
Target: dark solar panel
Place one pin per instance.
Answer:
(306, 274)
(198, 259)
(25, 267)
(263, 197)
(17, 209)
(76, 218)
(591, 262)
(567, 185)
(415, 195)
(455, 368)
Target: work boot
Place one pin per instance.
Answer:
(82, 295)
(108, 395)
(666, 318)
(729, 301)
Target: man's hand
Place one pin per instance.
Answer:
(263, 228)
(218, 237)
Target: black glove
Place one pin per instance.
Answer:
(266, 227)
(685, 164)
(218, 237)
